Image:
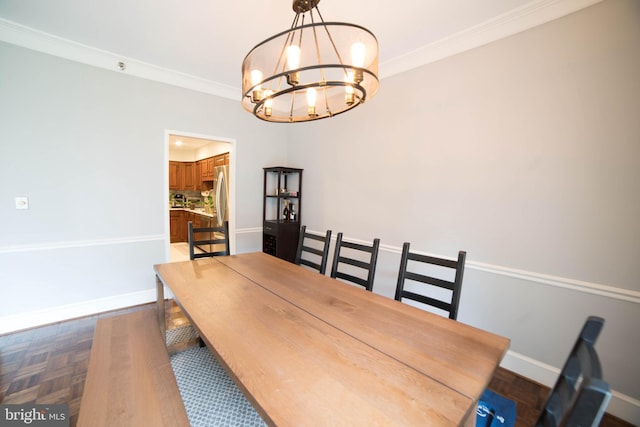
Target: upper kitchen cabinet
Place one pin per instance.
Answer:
(176, 174)
(207, 166)
(197, 175)
(206, 169)
(182, 176)
(189, 182)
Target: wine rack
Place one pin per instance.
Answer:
(282, 191)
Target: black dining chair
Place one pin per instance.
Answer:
(578, 398)
(580, 395)
(315, 256)
(429, 285)
(208, 241)
(352, 260)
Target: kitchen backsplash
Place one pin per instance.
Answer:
(194, 197)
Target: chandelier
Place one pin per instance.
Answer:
(314, 70)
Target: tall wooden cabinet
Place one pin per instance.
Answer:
(282, 194)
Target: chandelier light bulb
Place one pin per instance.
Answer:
(268, 102)
(357, 59)
(357, 54)
(293, 56)
(256, 79)
(311, 100)
(349, 97)
(293, 62)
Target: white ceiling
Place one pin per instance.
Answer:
(206, 40)
(186, 143)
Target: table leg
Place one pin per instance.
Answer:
(160, 306)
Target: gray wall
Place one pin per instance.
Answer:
(526, 154)
(87, 146)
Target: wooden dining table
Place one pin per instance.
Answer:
(306, 349)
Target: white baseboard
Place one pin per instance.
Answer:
(621, 405)
(32, 319)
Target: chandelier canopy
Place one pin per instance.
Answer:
(314, 70)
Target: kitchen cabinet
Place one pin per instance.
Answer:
(206, 169)
(177, 226)
(210, 168)
(282, 189)
(189, 180)
(207, 173)
(221, 160)
(198, 176)
(176, 174)
(178, 220)
(182, 176)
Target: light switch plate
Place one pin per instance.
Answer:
(22, 203)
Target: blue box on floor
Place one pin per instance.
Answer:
(495, 410)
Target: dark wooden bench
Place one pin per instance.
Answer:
(130, 381)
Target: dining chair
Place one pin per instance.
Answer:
(319, 253)
(210, 241)
(428, 287)
(357, 257)
(580, 395)
(578, 398)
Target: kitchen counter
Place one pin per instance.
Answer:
(199, 211)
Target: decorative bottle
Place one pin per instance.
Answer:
(285, 213)
(292, 213)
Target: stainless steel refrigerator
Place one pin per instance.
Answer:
(221, 175)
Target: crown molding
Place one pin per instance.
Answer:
(535, 13)
(30, 38)
(530, 15)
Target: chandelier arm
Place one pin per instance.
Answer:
(295, 21)
(302, 31)
(322, 76)
(293, 102)
(326, 103)
(287, 41)
(315, 38)
(333, 44)
(335, 49)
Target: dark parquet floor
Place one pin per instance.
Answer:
(48, 365)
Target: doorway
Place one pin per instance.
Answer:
(190, 148)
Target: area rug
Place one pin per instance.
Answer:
(210, 396)
(181, 335)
